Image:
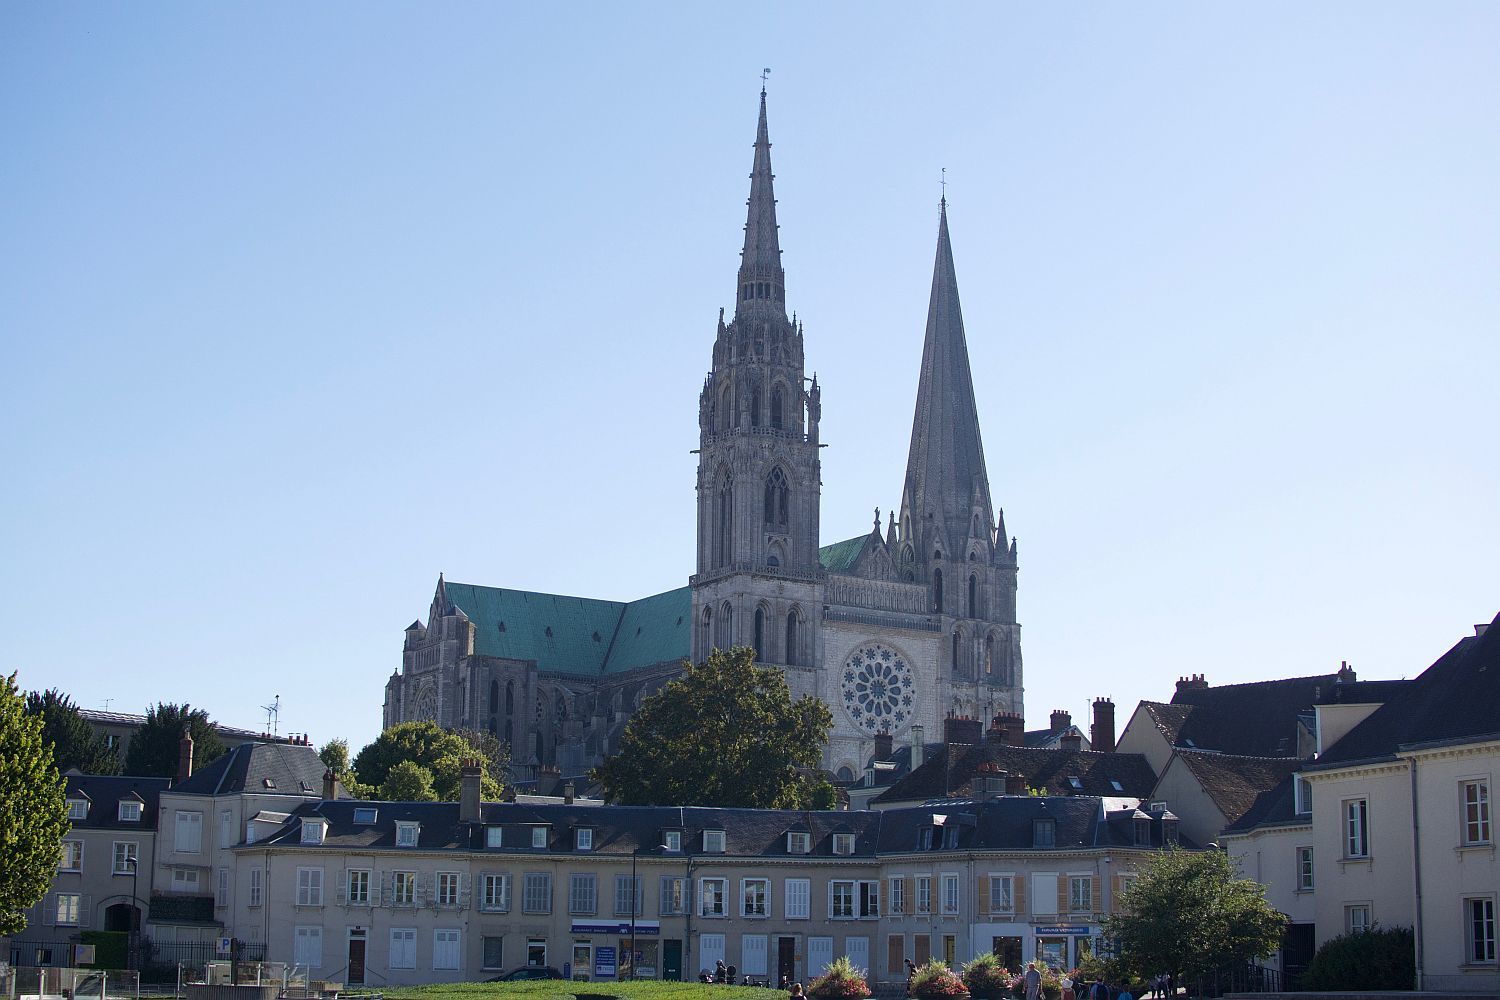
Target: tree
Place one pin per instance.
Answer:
(725, 733)
(407, 781)
(33, 812)
(74, 742)
(335, 756)
(1190, 914)
(428, 746)
(154, 748)
(494, 752)
(1374, 960)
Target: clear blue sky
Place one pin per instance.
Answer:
(302, 304)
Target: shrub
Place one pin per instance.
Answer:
(841, 981)
(985, 976)
(935, 979)
(1381, 958)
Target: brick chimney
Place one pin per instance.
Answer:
(1006, 729)
(918, 747)
(1071, 741)
(884, 745)
(1346, 673)
(1015, 784)
(1061, 720)
(184, 757)
(569, 791)
(470, 779)
(961, 729)
(330, 784)
(1195, 682)
(1102, 733)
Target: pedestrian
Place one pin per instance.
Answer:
(1033, 982)
(1067, 987)
(719, 971)
(1124, 993)
(796, 993)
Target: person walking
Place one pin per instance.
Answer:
(1033, 982)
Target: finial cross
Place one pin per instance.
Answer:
(763, 74)
(944, 183)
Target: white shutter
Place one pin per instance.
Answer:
(710, 950)
(753, 955)
(819, 955)
(858, 951)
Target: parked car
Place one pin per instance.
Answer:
(527, 972)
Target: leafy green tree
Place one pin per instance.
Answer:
(335, 756)
(1190, 913)
(33, 812)
(494, 752)
(428, 746)
(74, 742)
(725, 733)
(407, 781)
(153, 748)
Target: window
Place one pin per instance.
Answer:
(307, 950)
(70, 858)
(671, 840)
(445, 948)
(755, 897)
(841, 900)
(1044, 833)
(68, 907)
(674, 896)
(973, 585)
(127, 856)
(1357, 828)
(1302, 793)
(539, 837)
(257, 885)
(447, 888)
(494, 836)
(365, 815)
(1080, 893)
(78, 809)
(713, 841)
(359, 887)
(798, 892)
(1143, 832)
(1304, 869)
(1480, 917)
(583, 894)
(937, 586)
(950, 894)
(184, 880)
(537, 894)
(843, 843)
(1002, 893)
(630, 895)
(130, 812)
(1477, 813)
(309, 887)
(848, 900)
(759, 640)
(777, 492)
(798, 843)
(496, 893)
(1357, 918)
(583, 839)
(493, 952)
(711, 892)
(536, 951)
(221, 889)
(226, 828)
(898, 896)
(924, 893)
(407, 833)
(403, 888)
(189, 838)
(791, 637)
(403, 948)
(312, 831)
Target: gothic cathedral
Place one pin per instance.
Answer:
(893, 629)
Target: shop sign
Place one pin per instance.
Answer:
(643, 928)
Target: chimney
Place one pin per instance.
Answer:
(883, 745)
(1195, 682)
(330, 784)
(470, 777)
(1102, 733)
(1015, 784)
(1007, 729)
(961, 729)
(568, 792)
(1479, 630)
(1346, 673)
(184, 757)
(1061, 720)
(918, 747)
(1071, 741)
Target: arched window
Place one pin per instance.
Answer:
(937, 590)
(776, 407)
(778, 495)
(508, 732)
(494, 697)
(760, 635)
(561, 710)
(510, 698)
(723, 536)
(955, 651)
(791, 637)
(708, 626)
(973, 589)
(726, 626)
(755, 406)
(726, 410)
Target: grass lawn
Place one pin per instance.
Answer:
(562, 989)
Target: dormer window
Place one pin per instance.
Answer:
(583, 839)
(1044, 832)
(671, 840)
(1075, 782)
(494, 836)
(713, 841)
(130, 812)
(313, 831)
(406, 833)
(78, 809)
(1142, 832)
(924, 838)
(1158, 807)
(798, 842)
(539, 837)
(843, 843)
(1169, 831)
(365, 815)
(268, 783)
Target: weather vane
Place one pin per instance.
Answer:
(944, 182)
(765, 72)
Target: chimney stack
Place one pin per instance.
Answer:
(1015, 784)
(1102, 733)
(1071, 741)
(1061, 720)
(330, 784)
(568, 793)
(961, 729)
(470, 779)
(1195, 682)
(918, 747)
(184, 757)
(1346, 673)
(1007, 729)
(884, 745)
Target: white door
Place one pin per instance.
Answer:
(858, 950)
(710, 951)
(819, 955)
(752, 955)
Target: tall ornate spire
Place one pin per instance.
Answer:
(762, 283)
(945, 473)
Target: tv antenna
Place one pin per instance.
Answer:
(273, 716)
(106, 703)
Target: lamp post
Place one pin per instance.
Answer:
(135, 913)
(635, 896)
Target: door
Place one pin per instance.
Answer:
(671, 960)
(858, 951)
(710, 951)
(583, 961)
(786, 961)
(1297, 949)
(356, 969)
(1009, 951)
(819, 955)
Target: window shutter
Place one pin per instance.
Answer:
(1063, 881)
(386, 898)
(984, 894)
(1116, 886)
(911, 893)
(85, 911)
(343, 890)
(1096, 901)
(1018, 894)
(465, 888)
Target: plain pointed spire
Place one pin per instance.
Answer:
(762, 282)
(945, 469)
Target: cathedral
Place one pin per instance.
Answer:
(895, 629)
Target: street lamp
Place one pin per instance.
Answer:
(635, 896)
(135, 913)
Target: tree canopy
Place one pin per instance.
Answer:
(430, 748)
(1190, 913)
(33, 812)
(153, 748)
(725, 733)
(74, 742)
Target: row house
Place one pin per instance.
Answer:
(381, 893)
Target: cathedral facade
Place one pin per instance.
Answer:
(895, 629)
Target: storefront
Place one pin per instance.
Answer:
(1063, 946)
(617, 950)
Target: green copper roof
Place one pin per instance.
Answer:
(576, 635)
(841, 556)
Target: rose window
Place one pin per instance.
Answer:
(877, 689)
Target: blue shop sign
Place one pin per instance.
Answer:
(643, 928)
(1065, 929)
(604, 961)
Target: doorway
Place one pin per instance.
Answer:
(671, 960)
(786, 960)
(1008, 950)
(356, 970)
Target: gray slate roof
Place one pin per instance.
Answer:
(259, 768)
(950, 769)
(104, 794)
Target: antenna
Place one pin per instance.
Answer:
(273, 716)
(106, 703)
